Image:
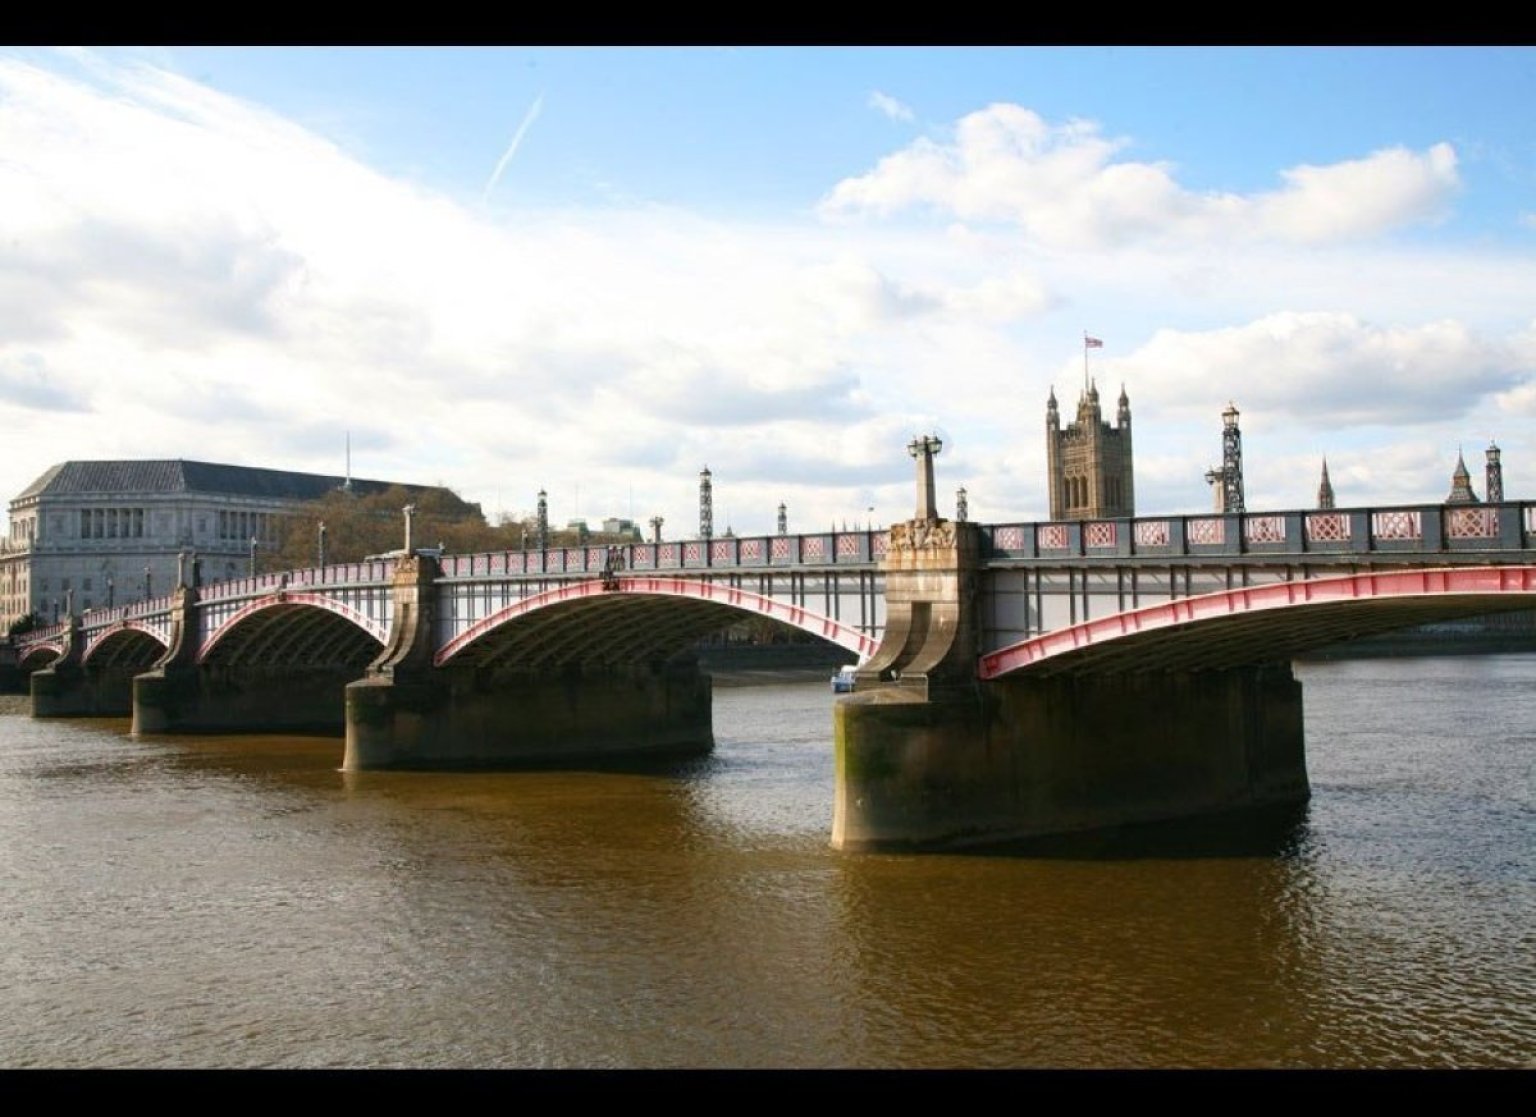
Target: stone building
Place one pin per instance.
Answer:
(92, 533)
(1088, 464)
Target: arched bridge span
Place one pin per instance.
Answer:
(1259, 624)
(626, 619)
(128, 644)
(295, 629)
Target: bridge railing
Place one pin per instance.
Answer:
(1409, 529)
(378, 571)
(97, 618)
(765, 552)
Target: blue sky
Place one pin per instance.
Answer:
(597, 270)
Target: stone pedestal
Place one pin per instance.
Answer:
(479, 719)
(1027, 757)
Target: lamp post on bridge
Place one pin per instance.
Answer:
(146, 581)
(923, 449)
(656, 522)
(320, 546)
(109, 593)
(253, 557)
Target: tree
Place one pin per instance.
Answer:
(359, 524)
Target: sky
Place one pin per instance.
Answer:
(597, 271)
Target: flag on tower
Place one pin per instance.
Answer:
(1092, 342)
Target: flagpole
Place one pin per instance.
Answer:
(1085, 362)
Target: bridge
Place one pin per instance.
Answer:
(1013, 679)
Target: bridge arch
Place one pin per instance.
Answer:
(1243, 627)
(626, 620)
(35, 657)
(294, 629)
(128, 644)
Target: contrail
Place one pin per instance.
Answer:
(528, 118)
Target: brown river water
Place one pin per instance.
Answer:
(239, 902)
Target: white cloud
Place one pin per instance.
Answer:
(890, 106)
(188, 275)
(1331, 370)
(1062, 186)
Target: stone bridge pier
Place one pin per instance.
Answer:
(69, 687)
(407, 712)
(182, 693)
(929, 756)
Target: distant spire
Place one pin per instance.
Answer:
(1461, 483)
(1325, 489)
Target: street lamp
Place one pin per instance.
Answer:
(321, 547)
(253, 556)
(146, 582)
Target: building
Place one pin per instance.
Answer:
(93, 533)
(1088, 464)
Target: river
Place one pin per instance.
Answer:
(239, 902)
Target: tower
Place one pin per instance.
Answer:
(1228, 480)
(1461, 484)
(783, 519)
(1493, 476)
(543, 520)
(1089, 463)
(1325, 489)
(706, 505)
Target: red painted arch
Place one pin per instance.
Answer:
(288, 597)
(31, 651)
(838, 633)
(1481, 582)
(102, 635)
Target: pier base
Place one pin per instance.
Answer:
(470, 718)
(247, 699)
(68, 690)
(1023, 758)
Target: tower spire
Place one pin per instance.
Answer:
(1461, 483)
